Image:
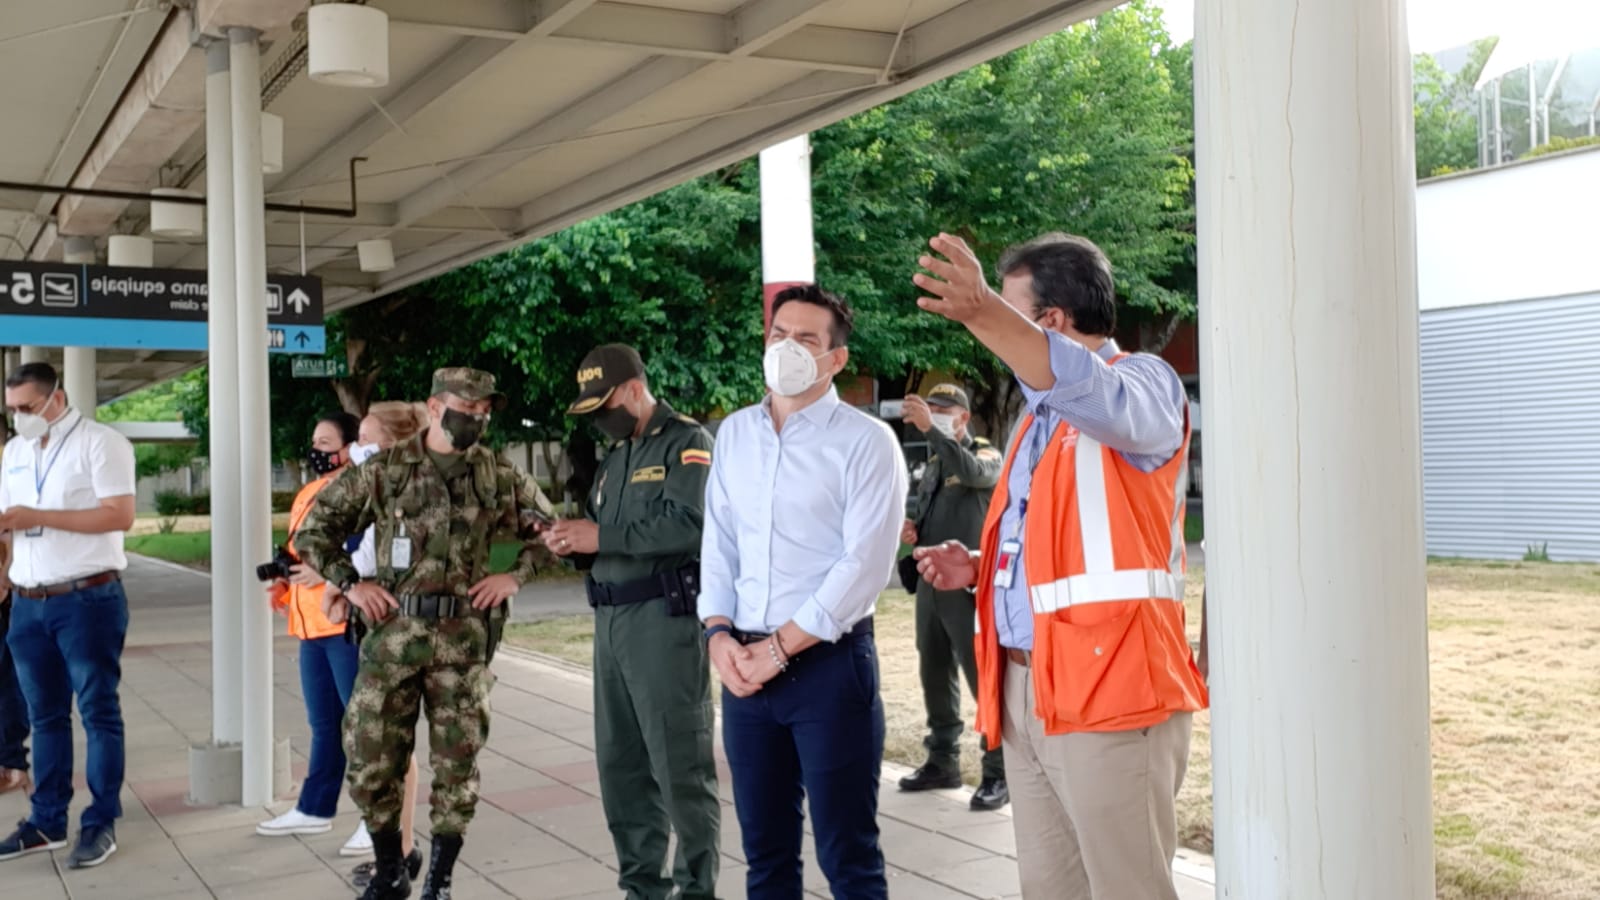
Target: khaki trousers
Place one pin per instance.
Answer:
(1095, 813)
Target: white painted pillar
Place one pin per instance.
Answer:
(1318, 626)
(222, 339)
(34, 354)
(255, 466)
(78, 363)
(788, 251)
(11, 359)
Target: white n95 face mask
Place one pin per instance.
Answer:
(790, 368)
(360, 453)
(31, 426)
(946, 424)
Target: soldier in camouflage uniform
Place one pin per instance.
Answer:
(433, 613)
(640, 539)
(952, 501)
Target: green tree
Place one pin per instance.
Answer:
(1445, 109)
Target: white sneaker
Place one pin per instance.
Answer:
(360, 843)
(294, 822)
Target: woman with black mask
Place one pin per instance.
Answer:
(327, 660)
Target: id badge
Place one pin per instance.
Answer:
(36, 531)
(400, 552)
(1005, 568)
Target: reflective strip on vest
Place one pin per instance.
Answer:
(1101, 581)
(1107, 587)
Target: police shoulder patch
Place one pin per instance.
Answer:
(694, 457)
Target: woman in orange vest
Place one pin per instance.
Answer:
(386, 424)
(1084, 666)
(327, 659)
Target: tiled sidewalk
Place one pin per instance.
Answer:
(539, 832)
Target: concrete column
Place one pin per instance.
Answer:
(255, 458)
(1318, 628)
(34, 354)
(788, 251)
(222, 335)
(11, 359)
(78, 363)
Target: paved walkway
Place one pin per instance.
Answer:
(539, 831)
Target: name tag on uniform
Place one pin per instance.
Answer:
(400, 553)
(36, 531)
(649, 473)
(1005, 568)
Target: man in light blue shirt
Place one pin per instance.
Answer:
(1094, 793)
(802, 524)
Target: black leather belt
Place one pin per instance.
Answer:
(46, 591)
(435, 606)
(861, 628)
(628, 592)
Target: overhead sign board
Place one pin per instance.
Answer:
(319, 367)
(115, 307)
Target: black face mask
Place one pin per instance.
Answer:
(464, 430)
(616, 423)
(321, 461)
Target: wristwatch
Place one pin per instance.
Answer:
(715, 630)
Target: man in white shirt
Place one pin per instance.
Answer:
(802, 523)
(66, 497)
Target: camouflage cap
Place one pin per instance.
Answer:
(468, 384)
(945, 396)
(605, 369)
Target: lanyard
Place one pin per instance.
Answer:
(1036, 450)
(39, 479)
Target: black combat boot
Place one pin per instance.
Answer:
(389, 878)
(441, 863)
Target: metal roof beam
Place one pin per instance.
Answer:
(773, 31)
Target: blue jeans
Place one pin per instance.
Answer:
(13, 708)
(65, 645)
(815, 731)
(327, 673)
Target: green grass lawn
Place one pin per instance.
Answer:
(194, 549)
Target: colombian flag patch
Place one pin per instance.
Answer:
(696, 458)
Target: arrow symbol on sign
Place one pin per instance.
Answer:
(301, 338)
(299, 300)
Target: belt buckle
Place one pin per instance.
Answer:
(428, 607)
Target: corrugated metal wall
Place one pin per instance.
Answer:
(1511, 428)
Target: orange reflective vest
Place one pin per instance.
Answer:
(1103, 559)
(306, 620)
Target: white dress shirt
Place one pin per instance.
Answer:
(84, 463)
(802, 525)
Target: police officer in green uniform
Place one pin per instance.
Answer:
(433, 614)
(640, 540)
(951, 502)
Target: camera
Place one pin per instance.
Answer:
(278, 568)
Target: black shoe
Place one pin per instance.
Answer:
(389, 881)
(28, 839)
(441, 864)
(991, 794)
(95, 846)
(931, 777)
(362, 874)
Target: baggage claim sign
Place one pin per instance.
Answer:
(114, 307)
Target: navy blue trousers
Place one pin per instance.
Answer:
(815, 731)
(13, 708)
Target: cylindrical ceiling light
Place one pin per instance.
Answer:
(131, 250)
(349, 45)
(178, 220)
(78, 251)
(271, 144)
(377, 255)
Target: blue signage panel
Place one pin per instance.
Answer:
(146, 334)
(63, 305)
